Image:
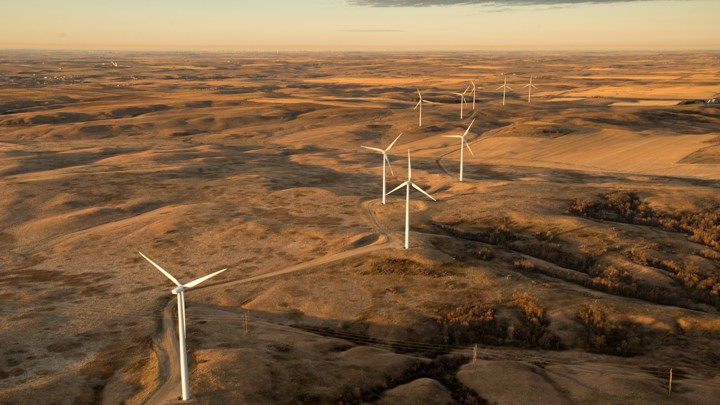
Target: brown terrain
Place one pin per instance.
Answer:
(579, 260)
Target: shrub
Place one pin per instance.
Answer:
(501, 235)
(403, 267)
(485, 253)
(702, 227)
(523, 264)
(614, 280)
(534, 332)
(603, 335)
(554, 253)
(547, 235)
(470, 323)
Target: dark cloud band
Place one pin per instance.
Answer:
(371, 30)
(500, 3)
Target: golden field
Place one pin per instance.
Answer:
(581, 253)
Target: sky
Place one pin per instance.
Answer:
(360, 25)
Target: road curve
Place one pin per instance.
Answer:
(166, 343)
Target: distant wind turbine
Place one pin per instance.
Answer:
(462, 100)
(530, 86)
(463, 143)
(180, 292)
(385, 159)
(419, 104)
(114, 63)
(409, 184)
(504, 87)
(473, 93)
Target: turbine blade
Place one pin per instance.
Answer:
(509, 88)
(419, 95)
(371, 148)
(500, 87)
(388, 163)
(201, 279)
(415, 186)
(527, 85)
(168, 275)
(418, 103)
(473, 83)
(429, 102)
(466, 89)
(398, 187)
(468, 146)
(409, 167)
(468, 128)
(393, 143)
(452, 136)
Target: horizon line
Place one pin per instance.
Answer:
(327, 50)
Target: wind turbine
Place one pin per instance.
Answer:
(385, 159)
(409, 184)
(462, 100)
(463, 143)
(180, 292)
(473, 93)
(530, 86)
(419, 104)
(504, 87)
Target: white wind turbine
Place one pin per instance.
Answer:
(504, 87)
(473, 93)
(530, 86)
(462, 100)
(419, 104)
(463, 143)
(385, 160)
(409, 184)
(180, 292)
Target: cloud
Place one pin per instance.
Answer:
(372, 31)
(498, 3)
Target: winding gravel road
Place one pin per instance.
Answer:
(166, 341)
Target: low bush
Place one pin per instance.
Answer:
(615, 336)
(485, 253)
(523, 264)
(534, 331)
(470, 323)
(702, 227)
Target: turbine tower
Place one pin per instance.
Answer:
(504, 87)
(180, 292)
(530, 86)
(419, 104)
(463, 143)
(409, 184)
(462, 100)
(385, 159)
